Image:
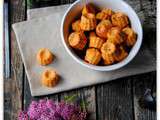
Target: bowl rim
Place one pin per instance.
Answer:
(118, 65)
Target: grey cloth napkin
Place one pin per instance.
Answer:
(44, 32)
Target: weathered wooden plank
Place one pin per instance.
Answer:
(141, 83)
(7, 105)
(149, 10)
(87, 95)
(45, 3)
(6, 43)
(27, 98)
(66, 1)
(147, 14)
(146, 10)
(13, 86)
(12, 98)
(114, 100)
(17, 13)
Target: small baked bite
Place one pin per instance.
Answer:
(77, 40)
(120, 54)
(120, 20)
(88, 22)
(88, 9)
(104, 14)
(76, 26)
(95, 41)
(108, 48)
(114, 36)
(108, 58)
(93, 56)
(49, 78)
(44, 56)
(103, 28)
(130, 36)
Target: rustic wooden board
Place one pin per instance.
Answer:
(13, 86)
(140, 84)
(116, 100)
(147, 9)
(12, 98)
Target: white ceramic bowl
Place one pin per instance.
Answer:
(116, 5)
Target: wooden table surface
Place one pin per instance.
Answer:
(116, 100)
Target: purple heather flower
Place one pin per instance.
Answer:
(23, 116)
(33, 111)
(50, 104)
(48, 110)
(42, 105)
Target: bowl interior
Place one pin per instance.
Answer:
(75, 10)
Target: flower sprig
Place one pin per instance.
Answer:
(47, 109)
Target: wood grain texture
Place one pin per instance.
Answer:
(140, 84)
(66, 1)
(11, 96)
(146, 10)
(147, 14)
(17, 12)
(114, 100)
(13, 86)
(45, 3)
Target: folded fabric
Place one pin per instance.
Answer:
(44, 32)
